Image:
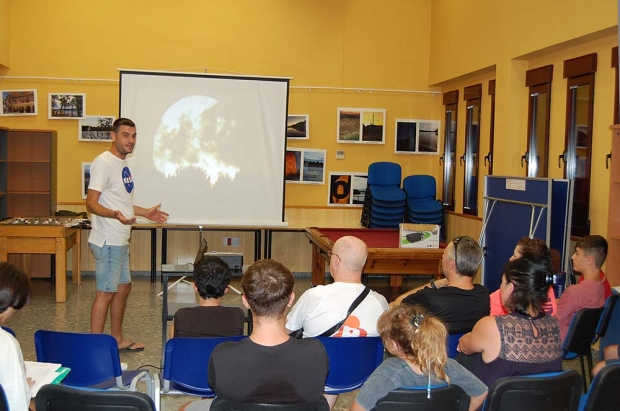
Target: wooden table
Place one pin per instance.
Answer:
(384, 254)
(45, 239)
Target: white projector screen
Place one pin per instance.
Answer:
(210, 149)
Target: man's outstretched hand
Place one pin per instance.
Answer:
(155, 214)
(121, 217)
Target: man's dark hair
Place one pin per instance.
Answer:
(594, 245)
(211, 276)
(14, 287)
(122, 122)
(267, 287)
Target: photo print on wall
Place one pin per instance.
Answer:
(298, 126)
(18, 103)
(305, 166)
(417, 136)
(85, 178)
(96, 128)
(347, 189)
(66, 106)
(361, 125)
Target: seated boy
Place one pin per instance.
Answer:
(590, 254)
(210, 318)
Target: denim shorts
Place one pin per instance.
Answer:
(112, 266)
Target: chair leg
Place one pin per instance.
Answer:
(583, 374)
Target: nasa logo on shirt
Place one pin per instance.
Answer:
(127, 180)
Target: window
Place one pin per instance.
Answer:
(450, 101)
(577, 154)
(488, 159)
(469, 159)
(537, 155)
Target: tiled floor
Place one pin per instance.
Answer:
(143, 320)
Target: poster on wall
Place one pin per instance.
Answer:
(417, 136)
(66, 106)
(96, 128)
(85, 178)
(347, 189)
(305, 166)
(361, 125)
(298, 126)
(18, 103)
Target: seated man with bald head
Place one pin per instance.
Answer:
(322, 307)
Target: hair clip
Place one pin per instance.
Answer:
(417, 319)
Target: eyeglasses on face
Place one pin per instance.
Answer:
(329, 254)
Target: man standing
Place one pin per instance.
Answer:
(455, 300)
(322, 307)
(110, 203)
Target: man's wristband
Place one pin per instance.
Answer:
(432, 283)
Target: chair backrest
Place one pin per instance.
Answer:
(93, 358)
(61, 398)
(608, 310)
(186, 361)
(4, 402)
(582, 330)
(320, 404)
(384, 173)
(541, 392)
(452, 344)
(351, 361)
(9, 330)
(603, 394)
(420, 186)
(442, 398)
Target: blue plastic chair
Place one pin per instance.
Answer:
(4, 402)
(452, 344)
(579, 338)
(421, 194)
(443, 397)
(56, 397)
(603, 393)
(93, 359)
(608, 328)
(557, 391)
(9, 330)
(186, 361)
(351, 361)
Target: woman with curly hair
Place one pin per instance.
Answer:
(417, 341)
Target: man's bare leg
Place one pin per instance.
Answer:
(99, 312)
(117, 314)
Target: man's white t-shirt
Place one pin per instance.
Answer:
(324, 306)
(111, 177)
(13, 373)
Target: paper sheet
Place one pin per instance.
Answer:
(42, 373)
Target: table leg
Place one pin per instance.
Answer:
(77, 258)
(318, 266)
(396, 280)
(61, 270)
(3, 254)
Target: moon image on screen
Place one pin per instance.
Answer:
(189, 135)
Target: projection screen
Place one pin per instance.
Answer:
(210, 148)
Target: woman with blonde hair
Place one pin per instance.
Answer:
(417, 341)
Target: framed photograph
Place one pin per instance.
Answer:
(297, 126)
(305, 166)
(66, 106)
(96, 128)
(85, 178)
(361, 125)
(347, 189)
(417, 136)
(18, 103)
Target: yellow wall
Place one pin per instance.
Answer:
(5, 30)
(486, 36)
(338, 43)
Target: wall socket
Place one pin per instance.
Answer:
(339, 154)
(230, 241)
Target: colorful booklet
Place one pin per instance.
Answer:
(44, 373)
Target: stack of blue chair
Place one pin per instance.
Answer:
(384, 203)
(422, 206)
